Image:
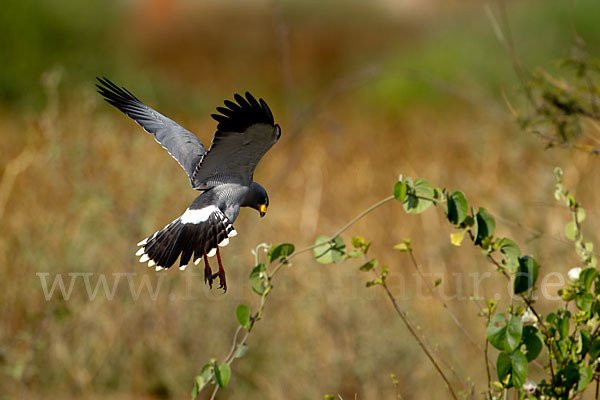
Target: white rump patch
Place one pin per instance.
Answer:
(144, 258)
(224, 242)
(197, 216)
(212, 252)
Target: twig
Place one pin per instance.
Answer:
(233, 346)
(412, 331)
(504, 36)
(214, 393)
(454, 318)
(487, 360)
(339, 232)
(439, 299)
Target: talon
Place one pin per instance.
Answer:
(208, 275)
(221, 273)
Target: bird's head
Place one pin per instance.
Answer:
(257, 198)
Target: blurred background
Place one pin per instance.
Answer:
(363, 91)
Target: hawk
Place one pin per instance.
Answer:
(224, 174)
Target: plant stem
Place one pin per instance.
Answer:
(417, 338)
(362, 214)
(439, 299)
(214, 393)
(487, 361)
(338, 233)
(456, 321)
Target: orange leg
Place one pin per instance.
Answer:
(208, 275)
(221, 273)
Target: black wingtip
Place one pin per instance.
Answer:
(117, 96)
(247, 111)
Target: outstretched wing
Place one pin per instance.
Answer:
(183, 145)
(246, 131)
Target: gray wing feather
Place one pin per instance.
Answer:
(246, 131)
(183, 145)
(233, 156)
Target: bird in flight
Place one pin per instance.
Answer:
(224, 174)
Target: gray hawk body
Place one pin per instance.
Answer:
(223, 174)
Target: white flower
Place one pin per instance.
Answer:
(574, 274)
(529, 386)
(528, 318)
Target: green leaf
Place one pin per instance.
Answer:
(376, 281)
(584, 342)
(571, 374)
(584, 301)
(514, 331)
(587, 276)
(222, 374)
(322, 250)
(201, 380)
(526, 274)
(595, 349)
(369, 265)
(358, 242)
(404, 246)
(571, 230)
(580, 214)
(414, 203)
(585, 377)
(532, 342)
(503, 366)
(384, 270)
(496, 331)
(519, 368)
(511, 253)
(356, 253)
(563, 327)
(243, 349)
(457, 208)
(469, 221)
(198, 383)
(242, 312)
(328, 251)
(280, 251)
(552, 318)
(400, 191)
(485, 225)
(257, 279)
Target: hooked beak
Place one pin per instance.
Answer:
(262, 209)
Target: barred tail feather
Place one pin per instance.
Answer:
(189, 237)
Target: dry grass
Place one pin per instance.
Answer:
(81, 185)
